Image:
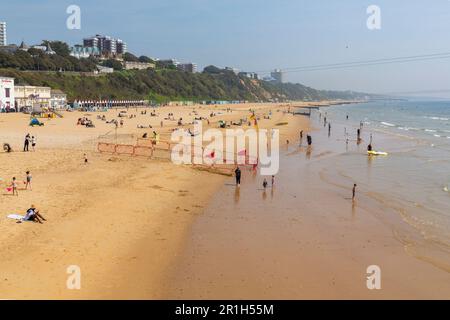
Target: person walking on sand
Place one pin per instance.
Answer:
(28, 181)
(329, 129)
(85, 159)
(237, 173)
(265, 184)
(33, 142)
(273, 180)
(14, 187)
(354, 192)
(26, 142)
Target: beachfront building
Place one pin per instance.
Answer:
(234, 70)
(136, 65)
(79, 51)
(2, 33)
(46, 48)
(103, 69)
(7, 101)
(105, 104)
(250, 75)
(121, 47)
(58, 99)
(187, 67)
(106, 45)
(32, 96)
(11, 48)
(277, 74)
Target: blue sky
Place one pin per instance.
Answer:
(261, 35)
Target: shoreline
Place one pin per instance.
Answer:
(286, 245)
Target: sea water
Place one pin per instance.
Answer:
(415, 176)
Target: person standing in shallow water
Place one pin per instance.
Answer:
(237, 174)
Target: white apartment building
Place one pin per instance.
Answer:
(2, 33)
(31, 96)
(6, 94)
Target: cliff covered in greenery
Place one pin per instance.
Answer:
(161, 85)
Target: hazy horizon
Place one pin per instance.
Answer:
(254, 36)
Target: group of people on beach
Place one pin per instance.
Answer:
(84, 121)
(29, 140)
(14, 188)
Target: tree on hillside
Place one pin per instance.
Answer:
(35, 52)
(127, 56)
(146, 59)
(111, 63)
(61, 48)
(24, 60)
(212, 70)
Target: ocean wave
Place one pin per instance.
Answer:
(388, 124)
(430, 130)
(438, 118)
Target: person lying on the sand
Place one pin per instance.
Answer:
(33, 215)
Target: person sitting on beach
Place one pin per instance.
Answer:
(369, 147)
(33, 215)
(7, 147)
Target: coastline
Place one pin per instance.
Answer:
(148, 229)
(303, 239)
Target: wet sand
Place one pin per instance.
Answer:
(302, 239)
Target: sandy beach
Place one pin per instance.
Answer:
(121, 219)
(142, 228)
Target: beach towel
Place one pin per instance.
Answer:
(15, 216)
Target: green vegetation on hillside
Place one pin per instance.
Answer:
(162, 85)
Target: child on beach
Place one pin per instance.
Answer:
(28, 181)
(14, 187)
(85, 159)
(33, 142)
